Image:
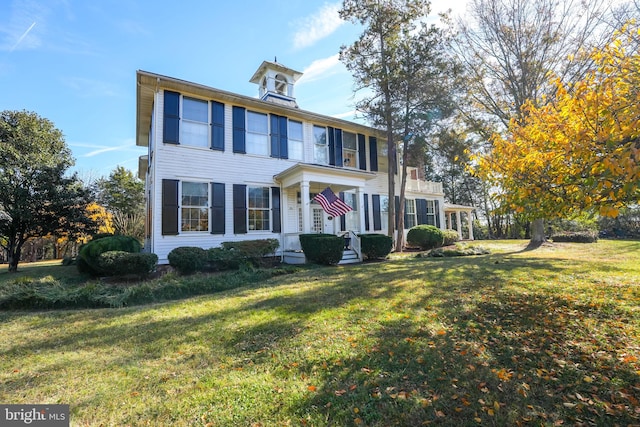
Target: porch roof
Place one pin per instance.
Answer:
(341, 178)
(454, 208)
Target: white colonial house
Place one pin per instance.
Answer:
(225, 167)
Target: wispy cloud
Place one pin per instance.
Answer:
(128, 145)
(91, 88)
(317, 26)
(322, 68)
(22, 37)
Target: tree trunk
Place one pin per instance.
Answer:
(537, 233)
(14, 257)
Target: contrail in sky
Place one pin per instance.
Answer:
(23, 36)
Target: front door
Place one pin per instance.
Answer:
(320, 222)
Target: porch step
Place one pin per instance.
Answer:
(349, 257)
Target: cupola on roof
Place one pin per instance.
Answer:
(275, 82)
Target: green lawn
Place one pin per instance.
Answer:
(544, 337)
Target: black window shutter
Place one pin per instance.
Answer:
(332, 145)
(436, 210)
(373, 153)
(406, 212)
(171, 129)
(343, 220)
(377, 217)
(217, 126)
(397, 210)
(366, 212)
(238, 119)
(239, 209)
(421, 211)
(284, 149)
(275, 209)
(338, 150)
(362, 152)
(275, 135)
(169, 207)
(217, 208)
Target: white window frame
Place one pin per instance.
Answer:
(320, 149)
(292, 142)
(203, 209)
(410, 213)
(351, 218)
(350, 155)
(431, 212)
(187, 137)
(384, 212)
(256, 141)
(251, 222)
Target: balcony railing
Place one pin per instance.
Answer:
(421, 186)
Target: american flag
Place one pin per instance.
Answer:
(332, 204)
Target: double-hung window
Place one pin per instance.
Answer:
(431, 212)
(410, 213)
(295, 140)
(257, 133)
(320, 155)
(194, 206)
(384, 211)
(194, 129)
(349, 150)
(351, 217)
(259, 208)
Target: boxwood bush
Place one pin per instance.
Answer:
(255, 251)
(425, 237)
(188, 259)
(575, 237)
(450, 237)
(375, 245)
(120, 263)
(322, 248)
(88, 255)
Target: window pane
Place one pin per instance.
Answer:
(257, 144)
(295, 130)
(259, 197)
(195, 109)
(319, 135)
(195, 194)
(257, 122)
(195, 134)
(349, 141)
(295, 150)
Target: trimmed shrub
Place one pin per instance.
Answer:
(253, 250)
(323, 249)
(89, 253)
(425, 237)
(188, 259)
(220, 259)
(576, 237)
(450, 237)
(458, 251)
(120, 263)
(375, 245)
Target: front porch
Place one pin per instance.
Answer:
(454, 219)
(302, 215)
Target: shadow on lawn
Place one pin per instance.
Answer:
(502, 358)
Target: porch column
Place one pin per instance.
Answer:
(304, 201)
(360, 199)
(459, 224)
(470, 222)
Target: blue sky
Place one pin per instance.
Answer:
(74, 61)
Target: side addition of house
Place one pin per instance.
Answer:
(225, 167)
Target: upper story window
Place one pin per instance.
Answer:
(320, 154)
(383, 157)
(257, 133)
(431, 212)
(193, 122)
(296, 143)
(194, 206)
(349, 150)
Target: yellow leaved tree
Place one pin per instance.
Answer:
(581, 151)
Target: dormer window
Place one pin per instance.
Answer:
(281, 84)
